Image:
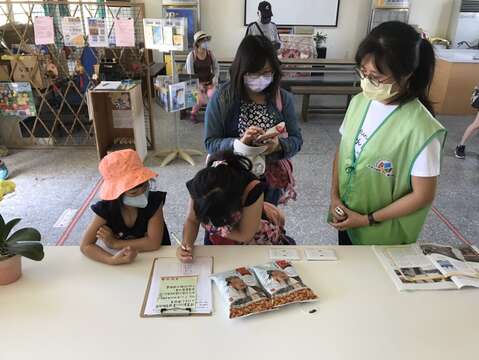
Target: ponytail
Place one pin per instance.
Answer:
(420, 81)
(228, 158)
(217, 190)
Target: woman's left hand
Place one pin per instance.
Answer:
(273, 146)
(106, 234)
(354, 220)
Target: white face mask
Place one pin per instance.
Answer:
(258, 83)
(139, 201)
(377, 93)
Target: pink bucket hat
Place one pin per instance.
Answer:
(122, 171)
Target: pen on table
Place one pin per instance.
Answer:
(178, 241)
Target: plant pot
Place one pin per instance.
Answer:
(10, 270)
(321, 52)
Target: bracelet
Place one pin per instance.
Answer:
(372, 220)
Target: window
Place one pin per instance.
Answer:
(19, 13)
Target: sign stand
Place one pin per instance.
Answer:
(183, 154)
(178, 152)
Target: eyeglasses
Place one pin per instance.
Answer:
(376, 82)
(258, 75)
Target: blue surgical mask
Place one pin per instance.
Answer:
(204, 45)
(139, 201)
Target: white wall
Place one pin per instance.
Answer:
(432, 16)
(223, 19)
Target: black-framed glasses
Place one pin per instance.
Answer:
(373, 80)
(260, 74)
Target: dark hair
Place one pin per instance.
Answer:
(217, 191)
(251, 56)
(410, 58)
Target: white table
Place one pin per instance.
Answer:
(69, 307)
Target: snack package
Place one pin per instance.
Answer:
(282, 283)
(242, 292)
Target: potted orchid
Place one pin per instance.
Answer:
(23, 242)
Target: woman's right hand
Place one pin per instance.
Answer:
(336, 202)
(184, 254)
(251, 134)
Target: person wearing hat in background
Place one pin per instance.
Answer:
(129, 218)
(202, 62)
(265, 26)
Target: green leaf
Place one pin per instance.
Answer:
(5, 230)
(30, 249)
(2, 222)
(26, 234)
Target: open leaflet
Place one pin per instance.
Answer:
(430, 266)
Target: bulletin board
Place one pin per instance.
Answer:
(320, 13)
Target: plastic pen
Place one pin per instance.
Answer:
(178, 241)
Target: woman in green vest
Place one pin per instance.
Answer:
(386, 167)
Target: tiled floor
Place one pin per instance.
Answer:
(50, 181)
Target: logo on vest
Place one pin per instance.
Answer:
(383, 167)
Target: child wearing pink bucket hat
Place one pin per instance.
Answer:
(129, 218)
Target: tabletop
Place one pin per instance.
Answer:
(70, 307)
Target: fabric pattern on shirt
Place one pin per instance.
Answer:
(255, 115)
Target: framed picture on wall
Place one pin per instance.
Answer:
(191, 14)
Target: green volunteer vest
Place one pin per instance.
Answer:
(381, 174)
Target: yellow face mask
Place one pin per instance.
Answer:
(377, 93)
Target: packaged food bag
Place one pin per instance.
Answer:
(242, 292)
(282, 283)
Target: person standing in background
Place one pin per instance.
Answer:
(265, 26)
(202, 62)
(471, 130)
(243, 110)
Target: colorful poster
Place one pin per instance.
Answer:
(121, 110)
(16, 99)
(296, 47)
(125, 33)
(153, 33)
(162, 91)
(192, 93)
(97, 33)
(165, 34)
(120, 101)
(72, 30)
(177, 96)
(43, 29)
(191, 17)
(183, 95)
